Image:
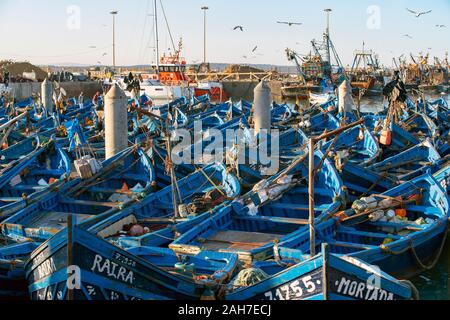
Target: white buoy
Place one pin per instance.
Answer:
(345, 98)
(262, 107)
(116, 121)
(46, 96)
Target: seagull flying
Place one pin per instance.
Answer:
(418, 14)
(104, 54)
(238, 27)
(254, 49)
(290, 24)
(407, 35)
(441, 26)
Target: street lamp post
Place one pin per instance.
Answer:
(328, 11)
(114, 13)
(204, 8)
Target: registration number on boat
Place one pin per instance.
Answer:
(297, 289)
(124, 260)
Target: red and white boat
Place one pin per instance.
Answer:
(213, 88)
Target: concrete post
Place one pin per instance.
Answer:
(116, 121)
(46, 96)
(345, 99)
(262, 107)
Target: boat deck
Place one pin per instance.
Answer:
(55, 220)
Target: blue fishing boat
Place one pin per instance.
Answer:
(402, 231)
(198, 195)
(356, 145)
(274, 211)
(326, 276)
(13, 256)
(124, 178)
(24, 180)
(106, 272)
(409, 163)
(401, 139)
(361, 181)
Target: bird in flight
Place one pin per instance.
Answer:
(407, 35)
(239, 27)
(104, 54)
(441, 26)
(290, 24)
(254, 49)
(418, 14)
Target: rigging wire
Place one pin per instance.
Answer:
(142, 42)
(168, 27)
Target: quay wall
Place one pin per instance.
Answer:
(236, 89)
(244, 89)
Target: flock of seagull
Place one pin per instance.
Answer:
(417, 14)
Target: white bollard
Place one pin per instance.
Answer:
(345, 98)
(47, 96)
(116, 121)
(262, 107)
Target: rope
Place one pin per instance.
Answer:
(415, 292)
(212, 182)
(413, 251)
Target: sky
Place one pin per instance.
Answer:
(80, 32)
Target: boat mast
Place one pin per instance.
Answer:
(156, 37)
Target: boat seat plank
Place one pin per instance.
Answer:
(24, 187)
(132, 176)
(294, 206)
(351, 245)
(91, 203)
(318, 190)
(275, 219)
(396, 225)
(369, 234)
(424, 209)
(110, 190)
(55, 219)
(46, 172)
(355, 187)
(10, 199)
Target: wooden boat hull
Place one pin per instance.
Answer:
(324, 277)
(382, 243)
(102, 271)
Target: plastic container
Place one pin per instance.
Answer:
(390, 214)
(400, 212)
(386, 137)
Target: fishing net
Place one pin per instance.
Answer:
(249, 277)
